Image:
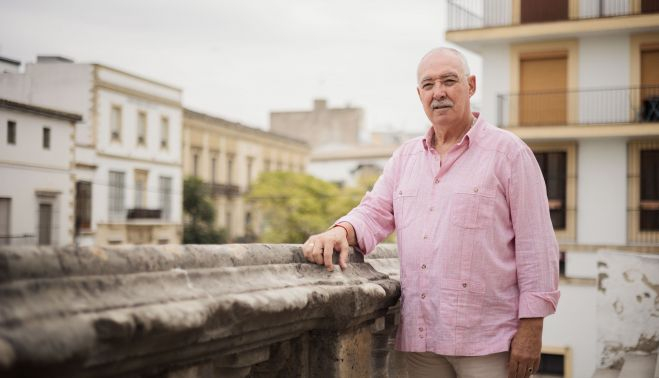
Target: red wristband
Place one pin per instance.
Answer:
(343, 227)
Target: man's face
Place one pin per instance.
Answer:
(444, 89)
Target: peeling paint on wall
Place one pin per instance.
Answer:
(627, 305)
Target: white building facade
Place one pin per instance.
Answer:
(127, 149)
(36, 158)
(579, 82)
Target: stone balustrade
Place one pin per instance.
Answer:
(195, 311)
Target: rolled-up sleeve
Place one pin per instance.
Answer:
(373, 218)
(536, 249)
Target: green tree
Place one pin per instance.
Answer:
(297, 205)
(199, 215)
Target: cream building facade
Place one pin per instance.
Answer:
(128, 176)
(229, 157)
(38, 187)
(578, 80)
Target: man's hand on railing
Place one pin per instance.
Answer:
(320, 248)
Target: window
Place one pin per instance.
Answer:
(164, 132)
(558, 163)
(45, 223)
(540, 75)
(649, 206)
(543, 10)
(230, 158)
(643, 191)
(5, 221)
(554, 170)
(115, 123)
(250, 165)
(46, 138)
(165, 189)
(140, 188)
(11, 132)
(543, 83)
(213, 169)
(141, 128)
(195, 164)
(117, 185)
(83, 206)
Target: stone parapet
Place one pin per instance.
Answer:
(194, 311)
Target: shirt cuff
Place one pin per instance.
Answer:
(360, 229)
(538, 305)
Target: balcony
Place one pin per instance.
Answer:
(590, 112)
(141, 213)
(470, 21)
(226, 190)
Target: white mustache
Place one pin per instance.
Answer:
(436, 104)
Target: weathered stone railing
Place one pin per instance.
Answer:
(194, 311)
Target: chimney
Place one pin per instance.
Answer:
(53, 59)
(319, 104)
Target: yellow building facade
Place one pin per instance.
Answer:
(229, 157)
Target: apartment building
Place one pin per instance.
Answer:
(127, 158)
(321, 125)
(578, 80)
(229, 157)
(36, 157)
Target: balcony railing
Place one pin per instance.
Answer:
(22, 239)
(579, 107)
(476, 14)
(140, 213)
(223, 189)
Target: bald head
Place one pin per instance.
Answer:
(443, 51)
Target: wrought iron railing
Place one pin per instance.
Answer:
(223, 189)
(476, 14)
(141, 213)
(579, 107)
(22, 239)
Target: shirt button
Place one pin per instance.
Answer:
(464, 284)
(475, 189)
(400, 192)
(423, 296)
(421, 336)
(420, 329)
(436, 181)
(425, 237)
(432, 208)
(423, 266)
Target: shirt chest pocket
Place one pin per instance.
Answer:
(473, 207)
(405, 200)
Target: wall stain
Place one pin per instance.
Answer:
(601, 277)
(618, 307)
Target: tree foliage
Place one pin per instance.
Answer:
(297, 205)
(199, 215)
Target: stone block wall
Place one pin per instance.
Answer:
(195, 311)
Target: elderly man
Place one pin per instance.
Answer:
(478, 255)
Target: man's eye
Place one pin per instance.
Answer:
(427, 86)
(449, 82)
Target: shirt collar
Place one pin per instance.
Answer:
(471, 134)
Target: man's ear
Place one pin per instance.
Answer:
(471, 80)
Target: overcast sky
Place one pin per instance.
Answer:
(241, 59)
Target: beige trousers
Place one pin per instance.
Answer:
(427, 364)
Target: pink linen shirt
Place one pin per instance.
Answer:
(475, 241)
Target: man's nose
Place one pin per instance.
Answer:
(438, 91)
